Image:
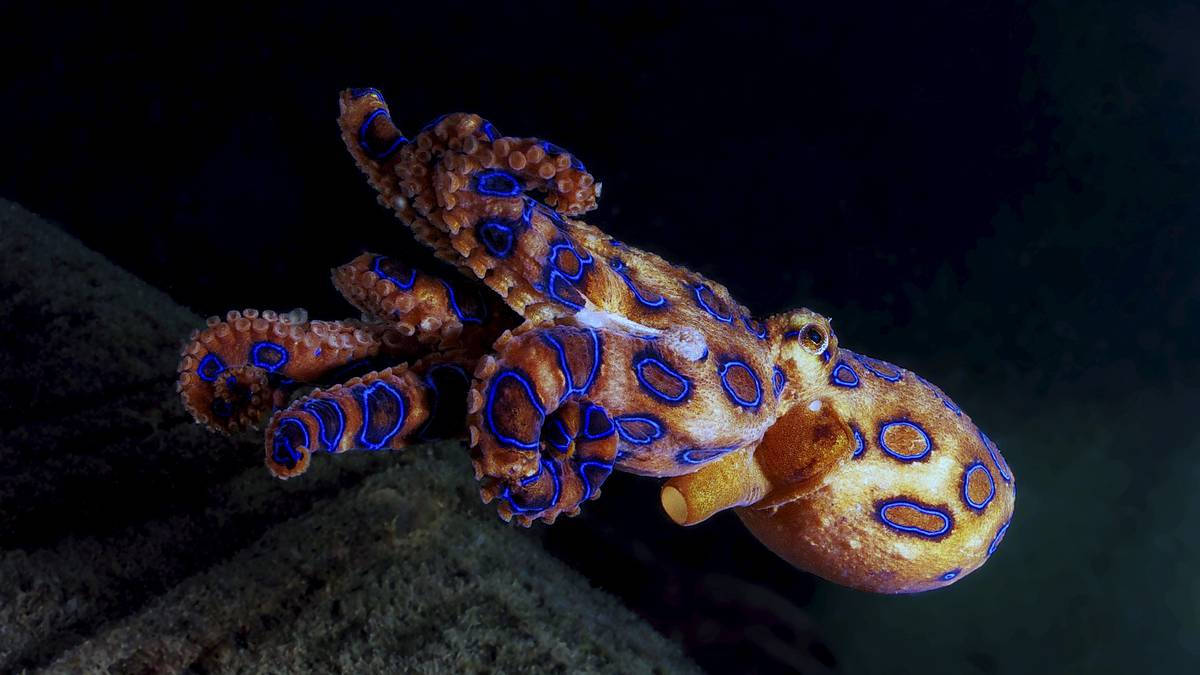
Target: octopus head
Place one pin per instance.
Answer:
(874, 478)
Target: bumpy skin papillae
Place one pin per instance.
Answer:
(846, 466)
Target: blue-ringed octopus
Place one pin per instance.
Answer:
(561, 354)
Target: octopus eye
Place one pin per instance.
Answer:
(813, 339)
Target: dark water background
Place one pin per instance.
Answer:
(1004, 197)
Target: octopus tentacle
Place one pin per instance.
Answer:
(383, 410)
(541, 444)
(472, 196)
(237, 370)
(442, 313)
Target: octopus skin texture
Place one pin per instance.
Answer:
(561, 354)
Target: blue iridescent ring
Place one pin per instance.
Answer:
(622, 271)
(778, 381)
(699, 290)
(994, 452)
(999, 536)
(404, 285)
(638, 429)
(210, 366)
(497, 237)
(362, 137)
(733, 394)
(641, 364)
(380, 392)
(497, 183)
(843, 376)
(877, 368)
(978, 506)
(489, 414)
(860, 444)
(268, 356)
(902, 457)
(886, 507)
(321, 407)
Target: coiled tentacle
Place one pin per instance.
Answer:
(237, 370)
(541, 444)
(383, 410)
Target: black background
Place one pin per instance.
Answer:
(1001, 196)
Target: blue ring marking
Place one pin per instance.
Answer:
(377, 268)
(825, 355)
(556, 278)
(843, 376)
(587, 482)
(999, 536)
(698, 290)
(791, 335)
(951, 574)
(632, 435)
(905, 458)
(508, 441)
(546, 465)
(552, 149)
(365, 91)
(497, 183)
(318, 407)
(362, 136)
(778, 381)
(562, 443)
(860, 443)
(745, 403)
(607, 428)
(565, 367)
(434, 123)
(497, 238)
(760, 332)
(264, 349)
(282, 441)
(457, 310)
(932, 534)
(978, 466)
(619, 267)
(581, 268)
(490, 130)
(641, 364)
(872, 366)
(701, 455)
(994, 452)
(213, 363)
(366, 395)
